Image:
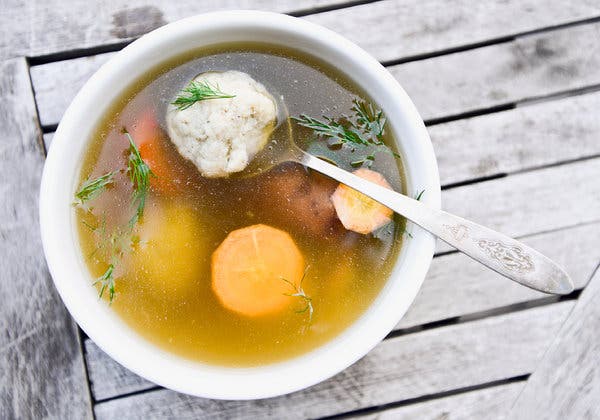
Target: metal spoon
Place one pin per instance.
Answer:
(502, 254)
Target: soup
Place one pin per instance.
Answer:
(236, 268)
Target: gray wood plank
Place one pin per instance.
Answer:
(109, 379)
(527, 137)
(42, 368)
(47, 138)
(388, 29)
(566, 384)
(400, 368)
(488, 403)
(52, 26)
(485, 77)
(530, 202)
(456, 285)
(527, 67)
(396, 29)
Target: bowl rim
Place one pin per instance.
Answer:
(123, 344)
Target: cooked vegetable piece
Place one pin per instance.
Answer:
(358, 212)
(248, 268)
(170, 250)
(302, 199)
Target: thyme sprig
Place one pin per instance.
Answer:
(299, 292)
(365, 127)
(198, 91)
(92, 188)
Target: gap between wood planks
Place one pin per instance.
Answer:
(426, 398)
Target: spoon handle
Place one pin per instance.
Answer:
(502, 254)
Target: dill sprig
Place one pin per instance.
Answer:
(139, 173)
(92, 188)
(366, 127)
(419, 195)
(107, 280)
(299, 292)
(198, 91)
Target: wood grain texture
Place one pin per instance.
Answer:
(396, 29)
(566, 384)
(42, 371)
(45, 27)
(109, 379)
(531, 202)
(499, 74)
(400, 368)
(488, 403)
(388, 29)
(527, 67)
(456, 285)
(527, 137)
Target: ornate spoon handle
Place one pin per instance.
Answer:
(505, 255)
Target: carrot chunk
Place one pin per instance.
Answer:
(356, 211)
(249, 266)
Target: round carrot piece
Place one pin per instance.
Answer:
(356, 211)
(250, 269)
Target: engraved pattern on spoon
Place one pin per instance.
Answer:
(511, 257)
(458, 232)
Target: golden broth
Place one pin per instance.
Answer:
(163, 285)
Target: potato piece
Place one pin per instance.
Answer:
(301, 198)
(169, 255)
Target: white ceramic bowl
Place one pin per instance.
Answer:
(63, 164)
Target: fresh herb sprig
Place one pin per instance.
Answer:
(366, 127)
(198, 91)
(92, 188)
(107, 280)
(139, 173)
(299, 292)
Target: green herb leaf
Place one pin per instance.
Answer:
(92, 188)
(298, 291)
(419, 195)
(139, 173)
(107, 280)
(365, 128)
(198, 91)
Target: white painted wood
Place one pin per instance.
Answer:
(400, 368)
(388, 29)
(530, 202)
(41, 366)
(526, 137)
(528, 67)
(38, 28)
(396, 29)
(484, 77)
(488, 403)
(456, 285)
(566, 384)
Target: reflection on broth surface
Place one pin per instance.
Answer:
(162, 264)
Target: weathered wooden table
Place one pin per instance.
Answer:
(510, 91)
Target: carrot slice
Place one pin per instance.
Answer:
(147, 136)
(249, 266)
(356, 211)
